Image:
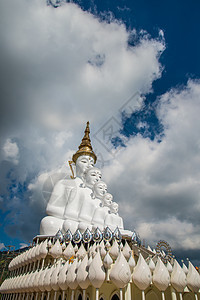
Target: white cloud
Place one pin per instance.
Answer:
(2, 246)
(182, 235)
(157, 184)
(61, 138)
(11, 151)
(23, 245)
(48, 51)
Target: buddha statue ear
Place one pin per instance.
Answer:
(72, 168)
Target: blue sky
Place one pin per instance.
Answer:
(180, 22)
(64, 63)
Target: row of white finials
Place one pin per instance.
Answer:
(47, 267)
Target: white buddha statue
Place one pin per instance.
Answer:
(91, 178)
(67, 196)
(112, 219)
(101, 211)
(81, 207)
(74, 201)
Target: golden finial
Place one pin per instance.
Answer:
(85, 147)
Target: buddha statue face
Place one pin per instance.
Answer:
(99, 189)
(107, 199)
(92, 176)
(83, 163)
(114, 208)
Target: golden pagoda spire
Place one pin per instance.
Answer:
(85, 147)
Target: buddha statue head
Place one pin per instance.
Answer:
(107, 200)
(91, 176)
(114, 208)
(99, 189)
(84, 158)
(83, 163)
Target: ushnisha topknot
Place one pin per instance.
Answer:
(85, 147)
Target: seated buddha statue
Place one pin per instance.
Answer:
(112, 219)
(102, 211)
(68, 194)
(74, 201)
(89, 205)
(81, 208)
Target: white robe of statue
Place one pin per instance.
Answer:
(63, 191)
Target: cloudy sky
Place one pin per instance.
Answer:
(132, 69)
